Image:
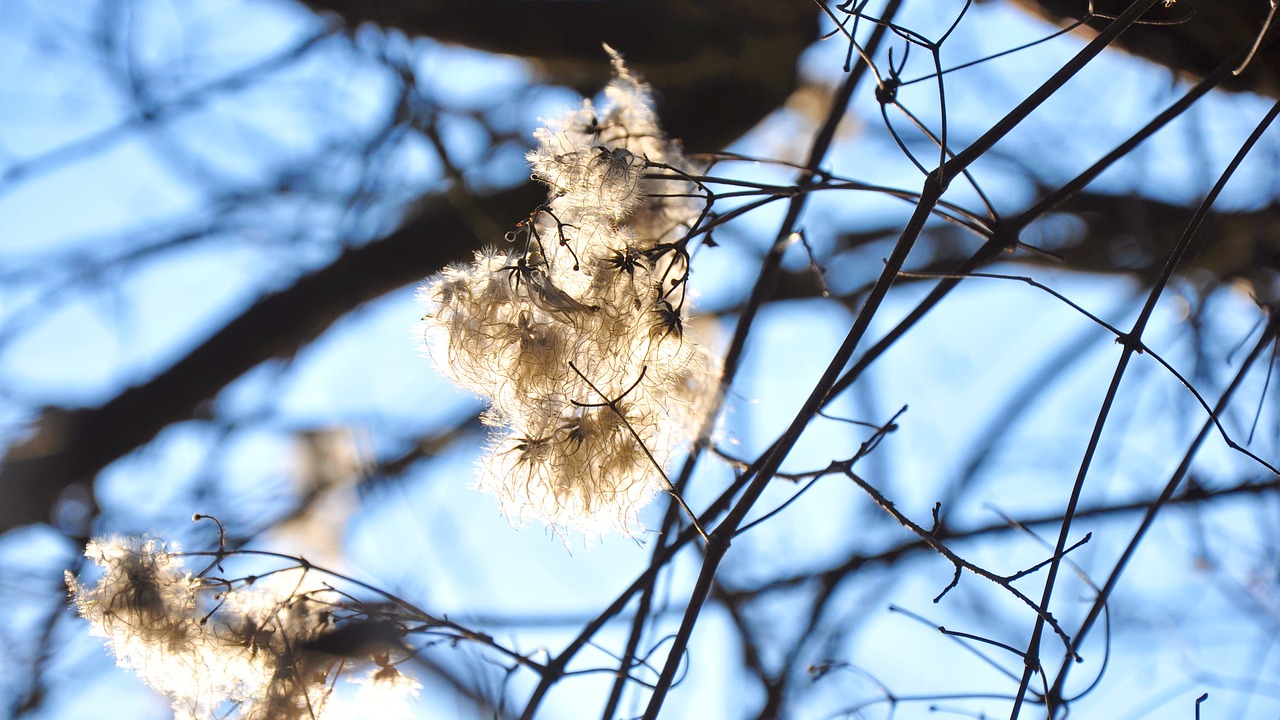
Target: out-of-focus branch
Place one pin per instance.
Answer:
(1110, 234)
(1190, 37)
(720, 65)
(1134, 234)
(72, 446)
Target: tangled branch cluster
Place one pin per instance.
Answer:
(576, 335)
(253, 646)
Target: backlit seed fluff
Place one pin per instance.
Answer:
(574, 333)
(215, 649)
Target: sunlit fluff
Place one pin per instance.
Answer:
(576, 332)
(215, 650)
(384, 694)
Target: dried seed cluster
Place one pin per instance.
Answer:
(219, 649)
(576, 332)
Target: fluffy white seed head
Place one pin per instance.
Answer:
(214, 649)
(145, 607)
(576, 335)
